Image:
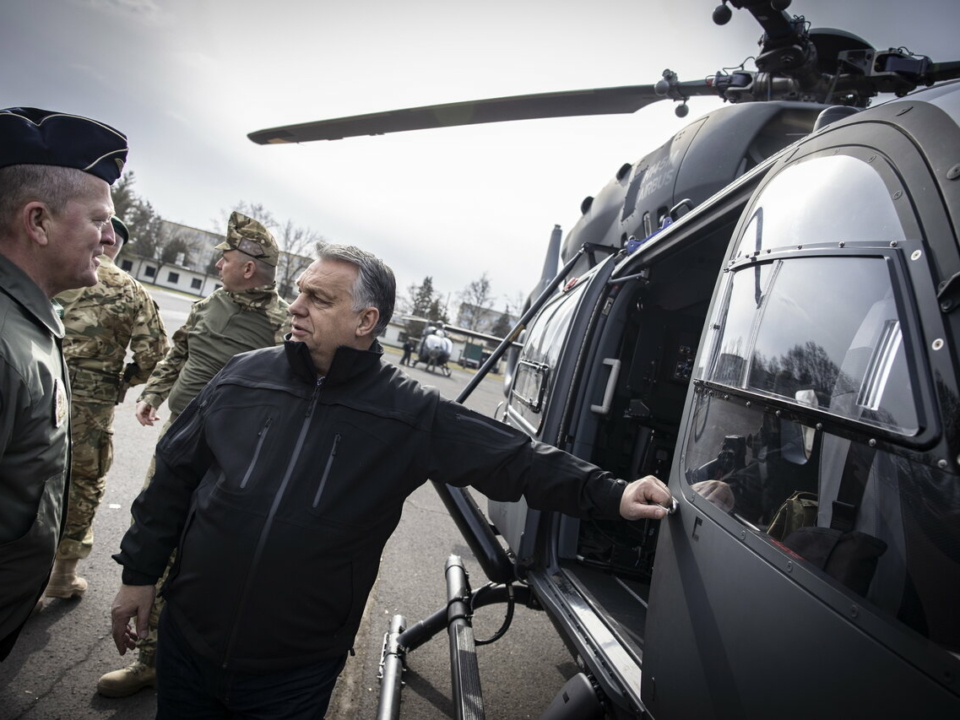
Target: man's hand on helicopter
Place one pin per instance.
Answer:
(646, 498)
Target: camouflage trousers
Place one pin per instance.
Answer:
(91, 431)
(147, 647)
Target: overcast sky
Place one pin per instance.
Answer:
(186, 80)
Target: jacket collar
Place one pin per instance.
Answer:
(255, 298)
(348, 363)
(26, 293)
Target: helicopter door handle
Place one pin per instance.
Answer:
(604, 409)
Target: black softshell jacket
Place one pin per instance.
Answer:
(280, 492)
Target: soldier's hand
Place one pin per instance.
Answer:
(146, 413)
(645, 498)
(132, 602)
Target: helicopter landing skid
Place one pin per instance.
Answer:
(457, 618)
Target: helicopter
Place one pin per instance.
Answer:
(434, 351)
(761, 312)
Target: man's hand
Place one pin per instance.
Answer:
(146, 413)
(133, 601)
(645, 498)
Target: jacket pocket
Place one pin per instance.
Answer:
(326, 471)
(261, 437)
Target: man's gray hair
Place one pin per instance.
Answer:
(50, 184)
(375, 286)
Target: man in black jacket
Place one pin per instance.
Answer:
(281, 483)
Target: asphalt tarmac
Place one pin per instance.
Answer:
(63, 650)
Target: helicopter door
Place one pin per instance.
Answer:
(813, 568)
(544, 371)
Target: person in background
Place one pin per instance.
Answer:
(101, 322)
(55, 175)
(407, 350)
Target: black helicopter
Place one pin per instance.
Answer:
(764, 312)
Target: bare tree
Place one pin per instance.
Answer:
(298, 246)
(474, 300)
(257, 211)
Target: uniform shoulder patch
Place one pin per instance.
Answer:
(60, 408)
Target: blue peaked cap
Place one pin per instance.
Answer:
(29, 136)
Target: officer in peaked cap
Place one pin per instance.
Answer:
(55, 176)
(251, 238)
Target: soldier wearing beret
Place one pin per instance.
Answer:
(101, 322)
(55, 209)
(245, 314)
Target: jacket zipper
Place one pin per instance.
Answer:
(268, 523)
(326, 470)
(262, 435)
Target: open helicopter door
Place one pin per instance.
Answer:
(811, 570)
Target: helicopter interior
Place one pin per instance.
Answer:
(651, 333)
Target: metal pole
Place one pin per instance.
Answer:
(391, 667)
(470, 519)
(464, 670)
(521, 324)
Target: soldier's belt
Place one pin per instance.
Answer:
(94, 384)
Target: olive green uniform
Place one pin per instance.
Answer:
(217, 328)
(34, 445)
(101, 322)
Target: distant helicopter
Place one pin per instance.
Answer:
(763, 312)
(435, 350)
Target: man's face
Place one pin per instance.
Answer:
(323, 314)
(231, 266)
(77, 236)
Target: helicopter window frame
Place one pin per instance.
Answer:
(929, 429)
(540, 353)
(883, 168)
(541, 372)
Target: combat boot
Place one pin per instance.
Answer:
(131, 679)
(64, 581)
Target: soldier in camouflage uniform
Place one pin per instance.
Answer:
(245, 314)
(100, 322)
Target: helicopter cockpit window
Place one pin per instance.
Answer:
(843, 354)
(827, 332)
(845, 199)
(540, 353)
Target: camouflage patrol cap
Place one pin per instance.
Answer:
(30, 136)
(251, 238)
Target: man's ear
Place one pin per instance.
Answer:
(367, 321)
(35, 218)
(249, 269)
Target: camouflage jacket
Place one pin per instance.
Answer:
(101, 321)
(217, 328)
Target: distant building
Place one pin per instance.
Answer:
(482, 320)
(194, 272)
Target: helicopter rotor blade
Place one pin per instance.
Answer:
(603, 101)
